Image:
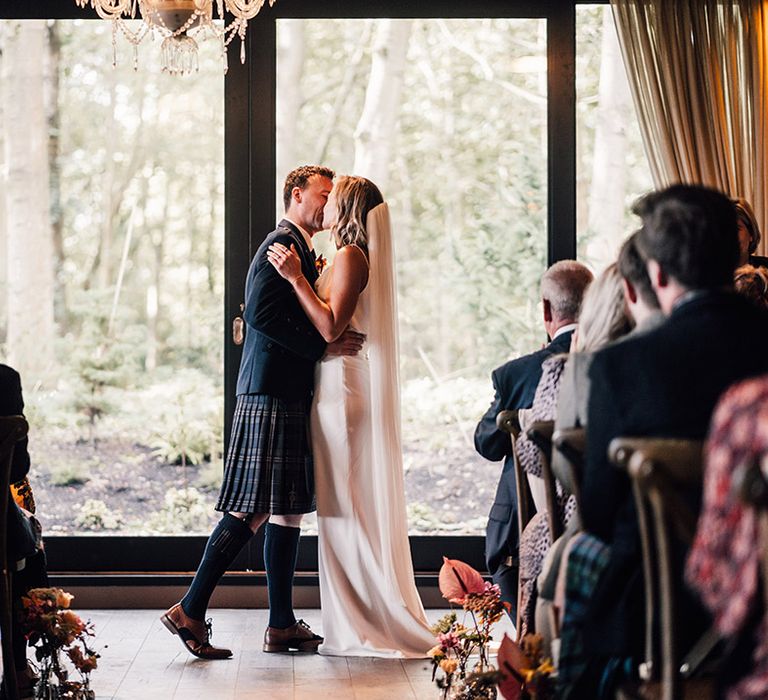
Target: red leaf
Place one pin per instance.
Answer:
(511, 661)
(457, 579)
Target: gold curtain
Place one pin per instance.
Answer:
(697, 70)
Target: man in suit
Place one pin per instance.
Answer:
(639, 297)
(562, 290)
(269, 474)
(663, 383)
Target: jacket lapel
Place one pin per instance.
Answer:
(307, 261)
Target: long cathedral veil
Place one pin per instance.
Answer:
(383, 359)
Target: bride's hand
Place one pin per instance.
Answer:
(285, 261)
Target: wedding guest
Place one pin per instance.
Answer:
(749, 234)
(661, 383)
(724, 563)
(26, 557)
(752, 283)
(602, 318)
(562, 289)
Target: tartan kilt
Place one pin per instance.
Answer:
(269, 467)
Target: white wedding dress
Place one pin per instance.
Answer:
(370, 605)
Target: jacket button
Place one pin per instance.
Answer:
(269, 345)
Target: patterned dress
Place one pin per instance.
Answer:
(723, 565)
(535, 540)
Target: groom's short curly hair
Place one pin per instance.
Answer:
(299, 178)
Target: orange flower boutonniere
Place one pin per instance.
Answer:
(320, 264)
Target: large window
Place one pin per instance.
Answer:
(449, 118)
(127, 185)
(612, 169)
(112, 283)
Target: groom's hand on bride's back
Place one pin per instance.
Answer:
(348, 343)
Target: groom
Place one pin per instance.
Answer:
(268, 474)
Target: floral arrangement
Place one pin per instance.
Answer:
(458, 642)
(51, 627)
(320, 264)
(523, 673)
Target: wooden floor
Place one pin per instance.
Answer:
(141, 660)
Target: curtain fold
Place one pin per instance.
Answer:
(697, 70)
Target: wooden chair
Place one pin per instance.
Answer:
(12, 429)
(661, 471)
(508, 422)
(540, 434)
(571, 444)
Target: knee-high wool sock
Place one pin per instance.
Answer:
(281, 546)
(224, 544)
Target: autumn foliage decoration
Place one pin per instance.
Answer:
(461, 651)
(52, 629)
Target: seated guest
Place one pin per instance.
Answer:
(514, 383)
(25, 556)
(749, 234)
(724, 565)
(752, 282)
(602, 318)
(662, 383)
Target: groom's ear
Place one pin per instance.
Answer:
(547, 310)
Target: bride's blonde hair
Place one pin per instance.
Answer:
(355, 197)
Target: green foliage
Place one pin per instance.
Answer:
(101, 356)
(183, 510)
(69, 474)
(97, 515)
(188, 429)
(209, 477)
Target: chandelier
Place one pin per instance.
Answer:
(177, 21)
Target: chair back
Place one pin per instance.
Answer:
(12, 429)
(540, 434)
(570, 444)
(661, 471)
(508, 422)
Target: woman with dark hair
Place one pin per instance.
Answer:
(370, 605)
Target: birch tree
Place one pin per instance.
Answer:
(609, 171)
(30, 332)
(374, 136)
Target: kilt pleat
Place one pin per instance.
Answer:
(269, 466)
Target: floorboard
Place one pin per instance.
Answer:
(140, 660)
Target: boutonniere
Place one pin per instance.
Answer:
(320, 263)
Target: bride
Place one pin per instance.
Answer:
(370, 606)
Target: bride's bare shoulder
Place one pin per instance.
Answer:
(351, 262)
(352, 255)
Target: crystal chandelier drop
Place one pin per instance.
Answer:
(176, 21)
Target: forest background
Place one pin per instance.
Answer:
(112, 240)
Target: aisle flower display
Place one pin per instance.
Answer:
(53, 629)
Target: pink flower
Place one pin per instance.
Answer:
(457, 580)
(448, 641)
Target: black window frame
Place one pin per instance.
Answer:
(250, 164)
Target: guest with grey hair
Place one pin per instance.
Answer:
(562, 289)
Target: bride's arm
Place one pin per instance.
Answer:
(350, 271)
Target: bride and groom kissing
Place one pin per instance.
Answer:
(317, 426)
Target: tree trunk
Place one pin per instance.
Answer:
(30, 249)
(290, 61)
(375, 130)
(54, 129)
(608, 190)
